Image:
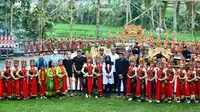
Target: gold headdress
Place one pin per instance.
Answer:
(141, 60)
(7, 61)
(132, 59)
(32, 60)
(23, 61)
(151, 60)
(89, 56)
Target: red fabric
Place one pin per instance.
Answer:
(199, 87)
(128, 85)
(160, 86)
(138, 82)
(89, 79)
(148, 88)
(8, 83)
(43, 45)
(42, 82)
(55, 44)
(168, 85)
(81, 44)
(1, 88)
(17, 85)
(89, 43)
(190, 86)
(25, 84)
(33, 82)
(100, 80)
(31, 46)
(178, 84)
(49, 45)
(64, 79)
(109, 44)
(55, 79)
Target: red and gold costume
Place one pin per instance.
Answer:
(42, 80)
(98, 72)
(25, 81)
(140, 80)
(33, 78)
(8, 79)
(169, 85)
(88, 72)
(16, 78)
(160, 83)
(132, 73)
(62, 78)
(1, 86)
(151, 74)
(180, 83)
(191, 83)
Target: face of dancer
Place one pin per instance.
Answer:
(60, 63)
(98, 61)
(32, 64)
(132, 63)
(151, 64)
(16, 64)
(52, 64)
(23, 64)
(89, 60)
(8, 64)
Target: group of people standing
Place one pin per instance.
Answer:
(100, 75)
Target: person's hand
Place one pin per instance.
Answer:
(107, 76)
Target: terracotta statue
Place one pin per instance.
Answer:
(108, 43)
(43, 46)
(173, 47)
(89, 43)
(31, 46)
(68, 44)
(180, 48)
(55, 43)
(61, 45)
(102, 41)
(74, 45)
(193, 49)
(49, 45)
(25, 47)
(198, 46)
(81, 43)
(114, 42)
(37, 46)
(96, 42)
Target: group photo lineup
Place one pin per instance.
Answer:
(100, 55)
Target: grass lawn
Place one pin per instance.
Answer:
(81, 104)
(62, 30)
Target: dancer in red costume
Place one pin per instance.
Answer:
(16, 78)
(1, 87)
(87, 70)
(141, 81)
(42, 80)
(180, 83)
(98, 72)
(7, 79)
(131, 78)
(33, 78)
(190, 88)
(24, 79)
(160, 82)
(151, 82)
(169, 85)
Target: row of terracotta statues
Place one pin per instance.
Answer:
(63, 45)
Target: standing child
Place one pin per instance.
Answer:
(42, 80)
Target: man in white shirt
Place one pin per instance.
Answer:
(114, 56)
(55, 57)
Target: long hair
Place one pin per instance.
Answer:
(49, 64)
(108, 62)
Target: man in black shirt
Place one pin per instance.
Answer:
(78, 62)
(121, 66)
(68, 63)
(186, 53)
